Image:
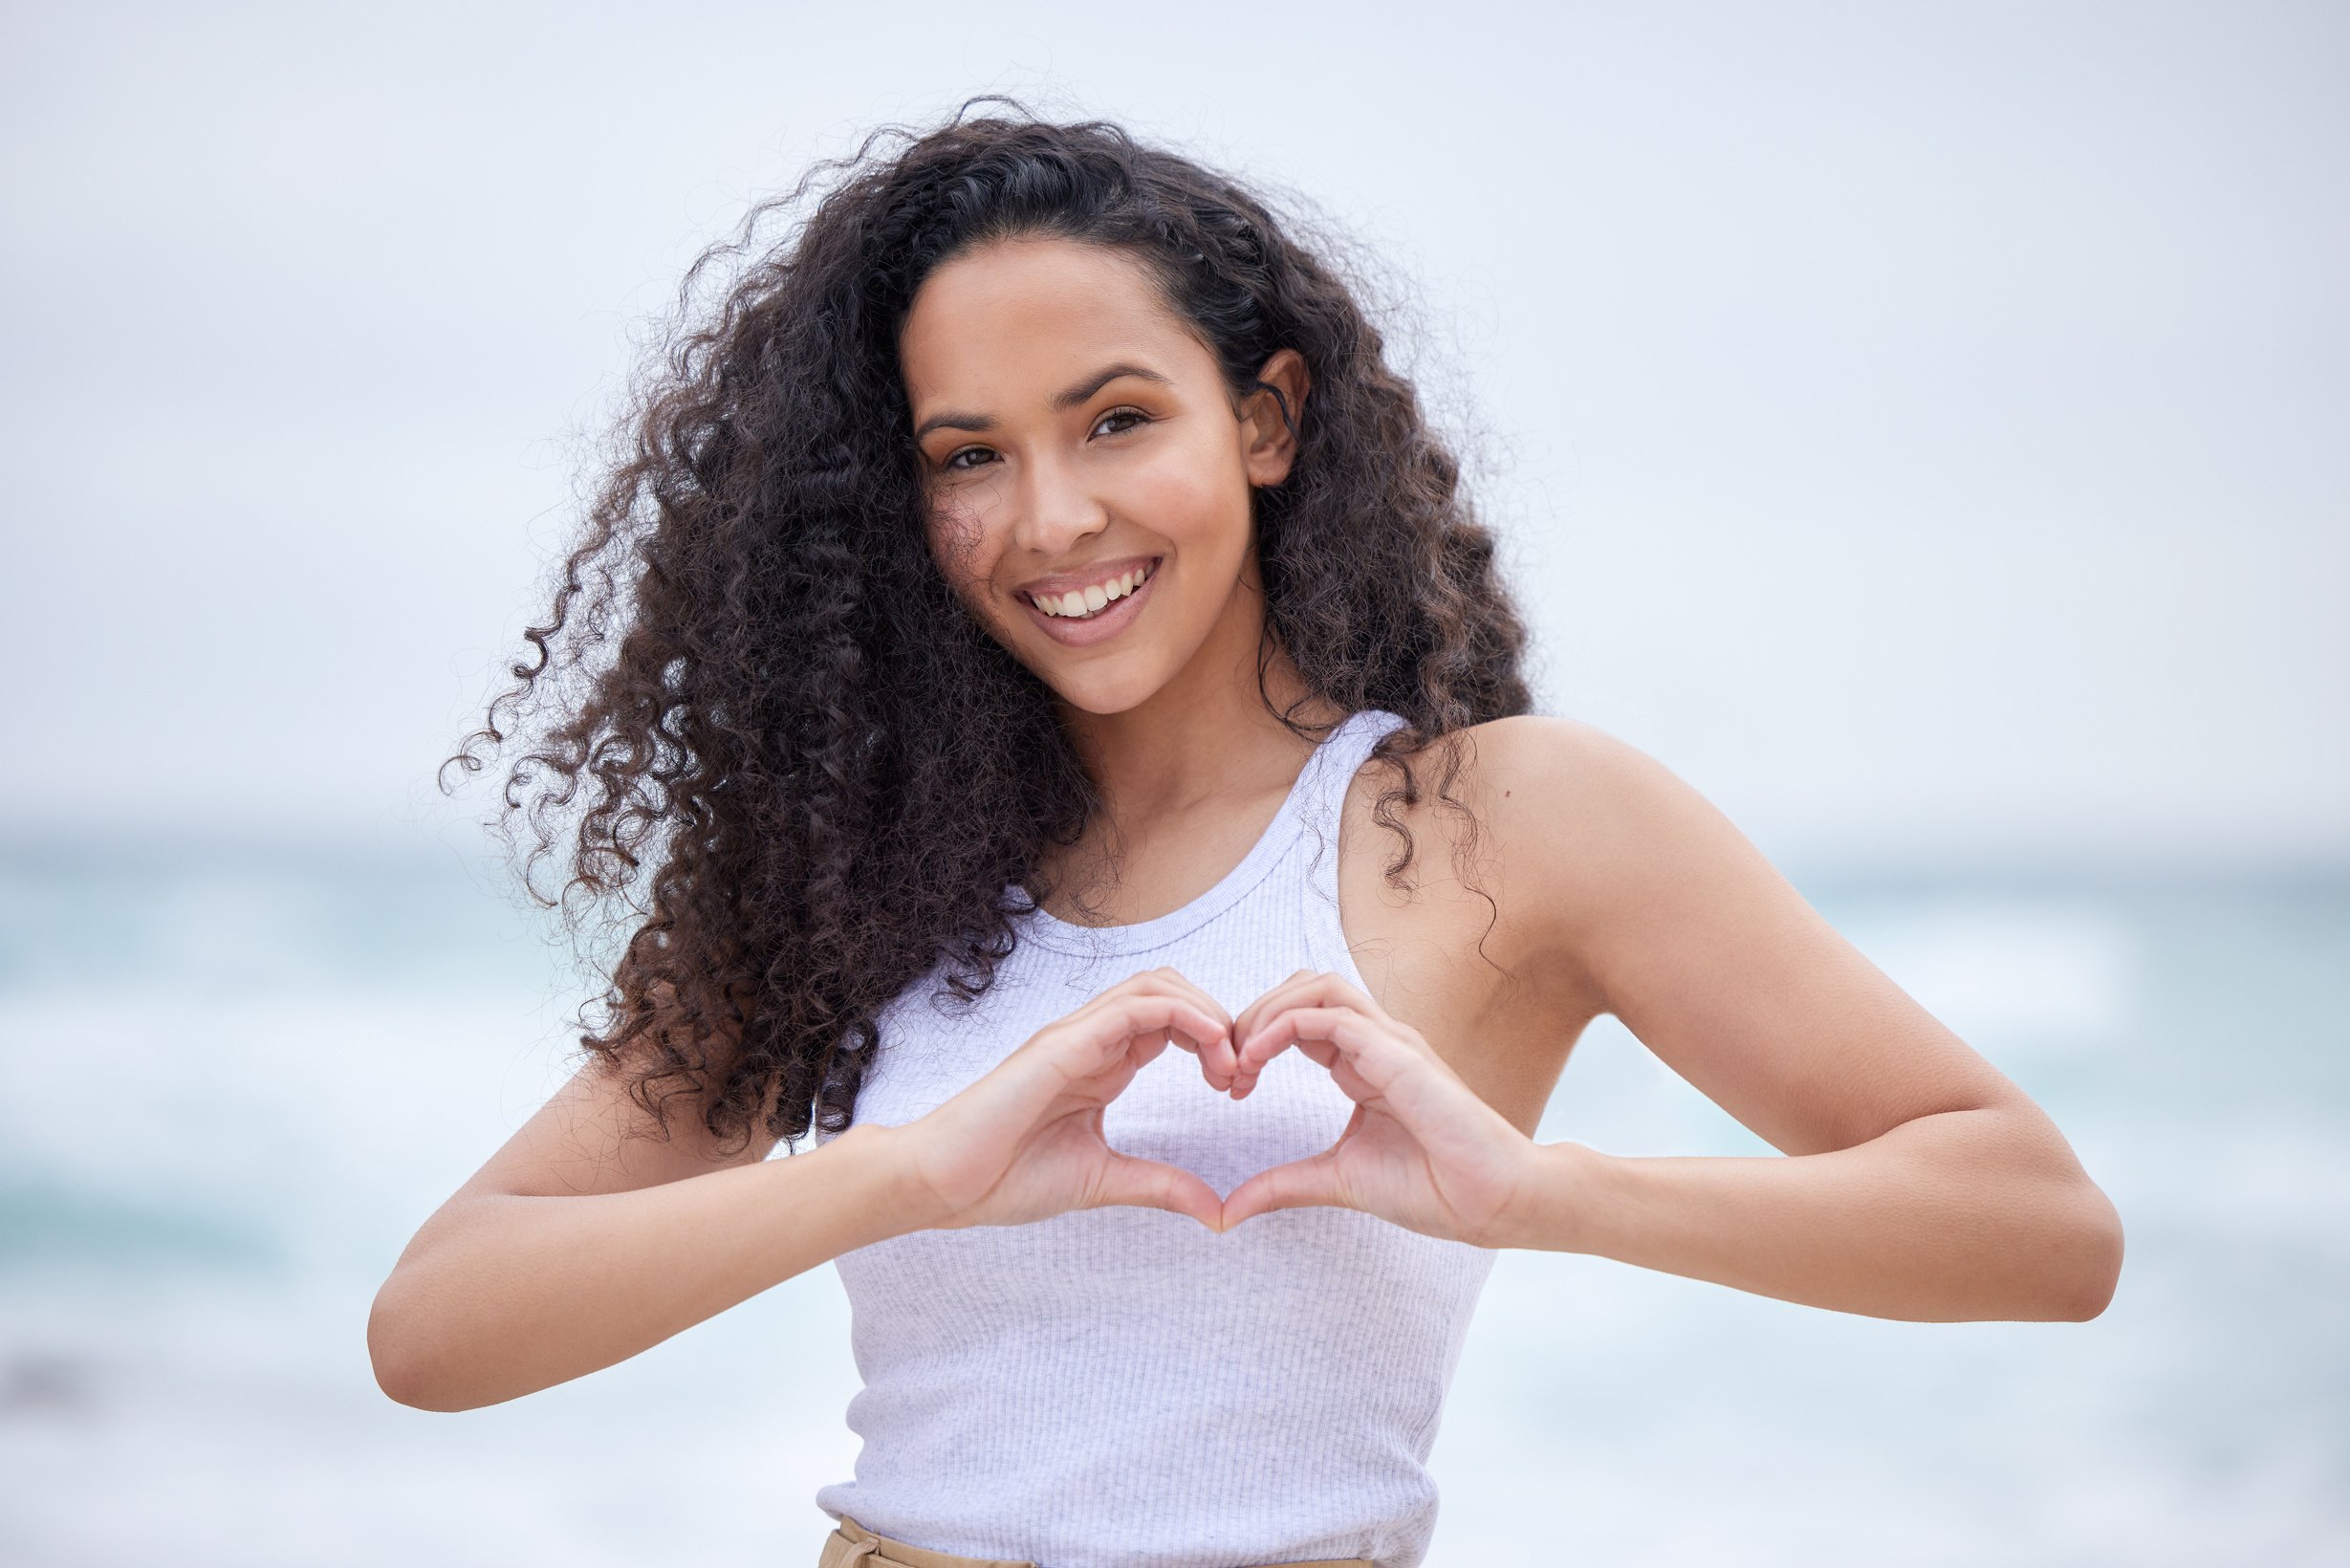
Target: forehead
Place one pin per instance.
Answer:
(1016, 321)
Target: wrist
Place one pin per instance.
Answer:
(902, 1202)
(1558, 1208)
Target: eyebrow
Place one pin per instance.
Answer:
(1069, 397)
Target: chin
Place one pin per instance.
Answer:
(1102, 697)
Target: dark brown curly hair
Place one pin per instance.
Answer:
(831, 769)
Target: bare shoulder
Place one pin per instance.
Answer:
(1575, 819)
(1552, 757)
(1556, 752)
(1602, 856)
(1511, 852)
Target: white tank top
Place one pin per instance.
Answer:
(1122, 1387)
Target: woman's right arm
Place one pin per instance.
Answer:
(577, 1247)
(574, 1248)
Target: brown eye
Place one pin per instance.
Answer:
(1134, 415)
(954, 460)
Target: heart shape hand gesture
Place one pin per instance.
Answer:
(1025, 1140)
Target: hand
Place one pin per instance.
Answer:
(1024, 1143)
(1422, 1149)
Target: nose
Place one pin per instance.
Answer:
(1054, 508)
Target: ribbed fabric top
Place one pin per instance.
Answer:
(1122, 1387)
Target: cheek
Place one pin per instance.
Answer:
(1193, 497)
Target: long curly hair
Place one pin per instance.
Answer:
(821, 768)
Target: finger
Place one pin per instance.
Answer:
(1096, 1052)
(1170, 975)
(1168, 981)
(1158, 982)
(1305, 987)
(1335, 1037)
(1168, 978)
(1211, 1047)
(1217, 1061)
(1169, 1018)
(1301, 1184)
(1214, 1052)
(1297, 1025)
(1153, 1184)
(1282, 993)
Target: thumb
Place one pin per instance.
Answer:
(1301, 1184)
(1153, 1184)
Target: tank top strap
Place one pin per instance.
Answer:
(1321, 805)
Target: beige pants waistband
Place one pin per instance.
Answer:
(851, 1545)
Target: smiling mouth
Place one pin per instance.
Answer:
(1079, 606)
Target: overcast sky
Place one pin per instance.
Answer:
(1925, 428)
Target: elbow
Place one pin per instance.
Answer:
(398, 1355)
(2096, 1258)
(388, 1354)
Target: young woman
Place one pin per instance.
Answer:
(1052, 635)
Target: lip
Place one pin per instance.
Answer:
(1084, 634)
(1063, 582)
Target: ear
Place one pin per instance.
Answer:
(1269, 441)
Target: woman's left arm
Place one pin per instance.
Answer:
(1918, 1182)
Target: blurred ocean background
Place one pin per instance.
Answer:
(1922, 428)
(237, 1083)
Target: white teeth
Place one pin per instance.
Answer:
(1085, 601)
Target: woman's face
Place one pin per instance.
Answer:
(1076, 439)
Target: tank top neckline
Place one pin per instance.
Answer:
(1069, 937)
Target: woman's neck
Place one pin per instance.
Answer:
(1194, 742)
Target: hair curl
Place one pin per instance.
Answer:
(832, 770)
